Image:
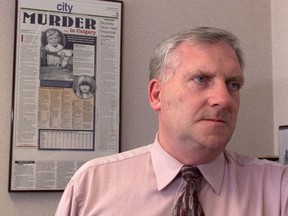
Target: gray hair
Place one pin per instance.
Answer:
(165, 59)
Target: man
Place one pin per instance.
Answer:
(196, 77)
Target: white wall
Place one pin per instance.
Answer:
(279, 10)
(145, 24)
(250, 20)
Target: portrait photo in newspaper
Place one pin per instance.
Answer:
(84, 86)
(56, 57)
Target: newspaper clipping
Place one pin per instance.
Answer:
(67, 90)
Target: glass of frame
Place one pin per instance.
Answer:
(66, 95)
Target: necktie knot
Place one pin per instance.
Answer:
(190, 173)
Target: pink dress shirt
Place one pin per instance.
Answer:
(144, 182)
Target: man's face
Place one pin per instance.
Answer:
(200, 103)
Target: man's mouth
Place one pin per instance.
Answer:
(215, 120)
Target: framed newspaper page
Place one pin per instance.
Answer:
(66, 95)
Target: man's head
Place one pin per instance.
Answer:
(195, 81)
(164, 56)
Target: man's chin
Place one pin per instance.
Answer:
(216, 143)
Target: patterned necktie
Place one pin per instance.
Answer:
(188, 203)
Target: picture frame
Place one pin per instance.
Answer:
(66, 95)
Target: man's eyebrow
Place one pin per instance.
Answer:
(239, 79)
(200, 73)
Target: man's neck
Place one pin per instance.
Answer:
(188, 153)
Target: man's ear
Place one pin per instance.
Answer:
(154, 89)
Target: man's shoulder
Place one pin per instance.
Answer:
(250, 161)
(116, 160)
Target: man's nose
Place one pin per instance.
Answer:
(220, 95)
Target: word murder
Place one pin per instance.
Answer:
(54, 20)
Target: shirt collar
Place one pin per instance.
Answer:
(213, 172)
(166, 168)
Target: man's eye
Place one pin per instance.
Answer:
(200, 79)
(234, 86)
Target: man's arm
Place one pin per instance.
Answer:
(69, 204)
